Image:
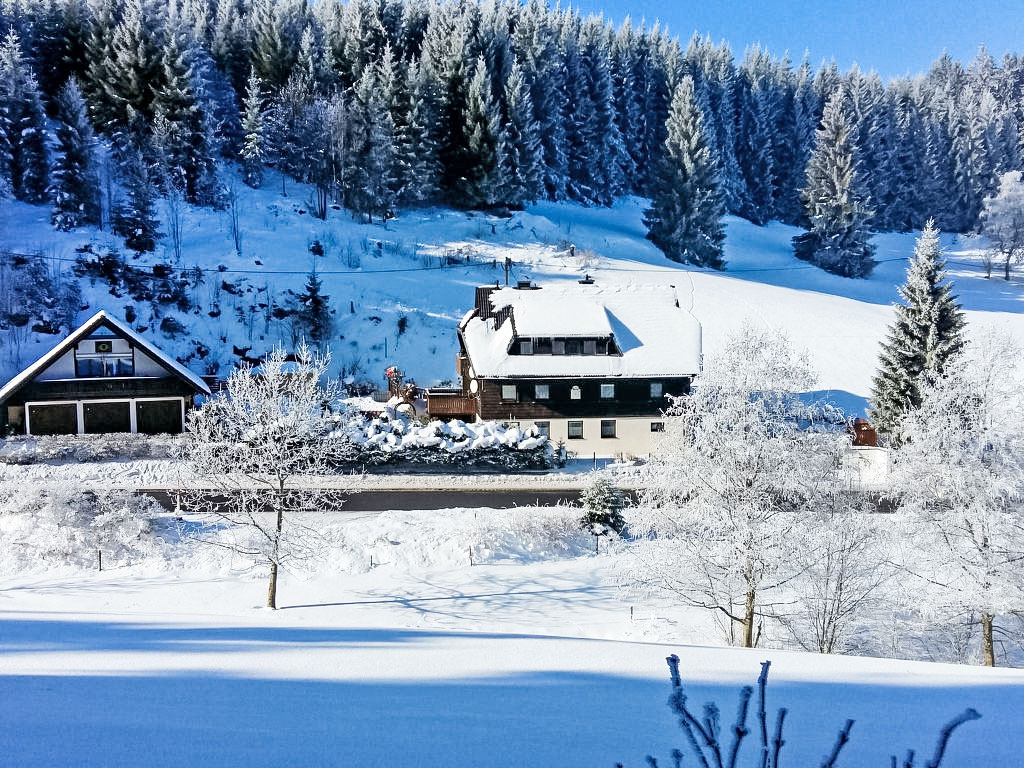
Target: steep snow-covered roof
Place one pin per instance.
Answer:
(101, 318)
(657, 337)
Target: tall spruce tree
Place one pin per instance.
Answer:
(24, 163)
(253, 148)
(135, 214)
(75, 188)
(925, 337)
(481, 127)
(521, 155)
(838, 240)
(685, 217)
(313, 312)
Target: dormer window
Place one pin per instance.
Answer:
(526, 347)
(590, 346)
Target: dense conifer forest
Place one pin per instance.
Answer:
(107, 104)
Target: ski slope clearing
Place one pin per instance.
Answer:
(423, 267)
(532, 656)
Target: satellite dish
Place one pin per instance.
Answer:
(473, 386)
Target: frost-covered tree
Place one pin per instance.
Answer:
(520, 175)
(959, 479)
(313, 312)
(372, 180)
(685, 217)
(603, 503)
(1002, 221)
(253, 150)
(24, 162)
(479, 186)
(134, 216)
(251, 444)
(733, 491)
(925, 337)
(838, 239)
(75, 188)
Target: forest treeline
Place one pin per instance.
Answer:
(107, 104)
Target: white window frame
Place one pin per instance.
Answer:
(541, 391)
(575, 393)
(613, 434)
(607, 391)
(568, 429)
(543, 428)
(505, 388)
(657, 390)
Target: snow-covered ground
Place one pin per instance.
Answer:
(531, 656)
(376, 276)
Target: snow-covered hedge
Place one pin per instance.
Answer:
(63, 526)
(492, 445)
(86, 448)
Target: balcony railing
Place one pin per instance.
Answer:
(450, 402)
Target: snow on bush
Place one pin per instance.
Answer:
(62, 526)
(394, 437)
(86, 448)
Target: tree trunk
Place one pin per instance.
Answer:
(986, 639)
(272, 590)
(748, 620)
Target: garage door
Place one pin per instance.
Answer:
(108, 417)
(53, 419)
(155, 417)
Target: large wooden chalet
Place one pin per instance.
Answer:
(104, 377)
(589, 365)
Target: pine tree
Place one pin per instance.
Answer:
(269, 58)
(373, 179)
(252, 125)
(313, 314)
(134, 70)
(417, 167)
(24, 163)
(76, 186)
(925, 338)
(685, 217)
(838, 240)
(135, 215)
(480, 184)
(521, 155)
(230, 45)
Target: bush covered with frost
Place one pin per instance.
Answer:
(86, 448)
(394, 438)
(66, 526)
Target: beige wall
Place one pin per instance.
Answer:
(633, 436)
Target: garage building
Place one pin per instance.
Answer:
(102, 378)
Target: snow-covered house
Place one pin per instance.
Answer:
(104, 377)
(587, 364)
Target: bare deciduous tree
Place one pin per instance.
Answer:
(1002, 222)
(959, 480)
(733, 490)
(250, 449)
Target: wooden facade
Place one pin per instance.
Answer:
(555, 384)
(102, 378)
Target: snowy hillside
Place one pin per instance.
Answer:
(423, 267)
(394, 650)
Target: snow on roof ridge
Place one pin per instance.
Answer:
(80, 332)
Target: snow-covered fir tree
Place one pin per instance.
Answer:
(479, 187)
(926, 336)
(520, 175)
(372, 183)
(24, 160)
(134, 215)
(253, 150)
(313, 312)
(75, 188)
(838, 239)
(685, 217)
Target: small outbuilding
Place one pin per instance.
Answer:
(102, 378)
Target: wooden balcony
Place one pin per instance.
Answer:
(450, 404)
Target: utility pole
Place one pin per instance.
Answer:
(508, 267)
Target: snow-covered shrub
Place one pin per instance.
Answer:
(489, 445)
(86, 448)
(604, 504)
(66, 526)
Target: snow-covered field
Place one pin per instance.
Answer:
(531, 656)
(390, 647)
